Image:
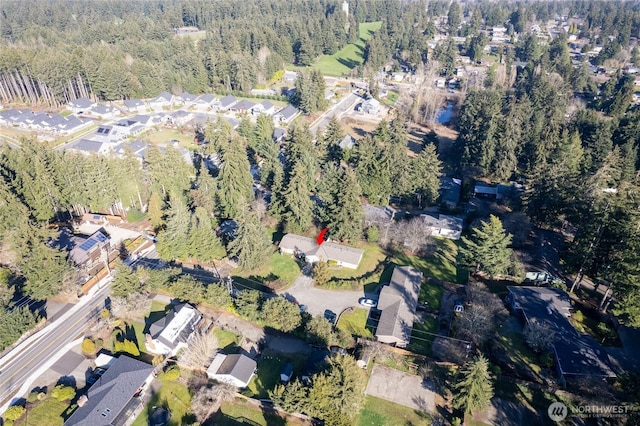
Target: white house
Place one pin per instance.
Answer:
(444, 226)
(104, 111)
(371, 106)
(205, 102)
(348, 257)
(234, 369)
(80, 105)
(226, 103)
(134, 105)
(186, 99)
(286, 114)
(265, 107)
(163, 100)
(170, 333)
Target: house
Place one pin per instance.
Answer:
(278, 135)
(378, 214)
(398, 302)
(205, 102)
(348, 142)
(88, 146)
(134, 105)
(186, 99)
(226, 103)
(450, 189)
(286, 373)
(171, 332)
(440, 83)
(286, 114)
(10, 117)
(290, 76)
(109, 134)
(576, 355)
(371, 106)
(88, 253)
(104, 111)
(80, 105)
(163, 100)
(73, 124)
(442, 225)
(242, 106)
(115, 396)
(265, 107)
(328, 251)
(235, 369)
(179, 118)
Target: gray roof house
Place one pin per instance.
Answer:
(378, 214)
(205, 102)
(342, 255)
(398, 302)
(88, 146)
(225, 103)
(576, 355)
(243, 105)
(104, 111)
(171, 332)
(134, 105)
(235, 369)
(186, 99)
(348, 142)
(265, 107)
(113, 398)
(80, 105)
(450, 189)
(442, 225)
(286, 114)
(164, 99)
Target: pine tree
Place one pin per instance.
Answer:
(155, 210)
(252, 246)
(204, 244)
(474, 390)
(488, 248)
(426, 172)
(125, 281)
(173, 241)
(342, 211)
(235, 182)
(299, 207)
(327, 146)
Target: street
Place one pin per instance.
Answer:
(25, 363)
(337, 110)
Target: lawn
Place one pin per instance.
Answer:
(440, 265)
(164, 136)
(391, 98)
(226, 339)
(421, 341)
(138, 327)
(268, 374)
(355, 323)
(378, 412)
(520, 356)
(350, 56)
(281, 268)
(173, 395)
(241, 413)
(47, 412)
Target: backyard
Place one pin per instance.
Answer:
(165, 136)
(268, 375)
(175, 397)
(279, 272)
(239, 412)
(355, 323)
(378, 412)
(46, 412)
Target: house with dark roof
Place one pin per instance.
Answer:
(265, 107)
(442, 225)
(242, 106)
(576, 354)
(279, 134)
(88, 146)
(87, 252)
(135, 105)
(104, 111)
(286, 114)
(450, 189)
(179, 118)
(81, 105)
(348, 142)
(226, 103)
(186, 99)
(170, 333)
(341, 255)
(235, 369)
(398, 302)
(205, 102)
(114, 397)
(164, 99)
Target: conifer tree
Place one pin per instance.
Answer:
(488, 248)
(235, 186)
(474, 390)
(298, 205)
(173, 241)
(342, 211)
(204, 244)
(252, 246)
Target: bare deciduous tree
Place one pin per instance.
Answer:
(412, 234)
(201, 347)
(538, 336)
(207, 400)
(134, 306)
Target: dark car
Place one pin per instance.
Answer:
(330, 316)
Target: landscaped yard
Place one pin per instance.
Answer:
(350, 56)
(164, 136)
(268, 374)
(391, 98)
(138, 327)
(226, 339)
(355, 323)
(378, 412)
(421, 341)
(372, 257)
(47, 412)
(282, 268)
(241, 413)
(178, 399)
(441, 265)
(520, 357)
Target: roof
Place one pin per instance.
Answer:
(244, 104)
(278, 133)
(188, 97)
(577, 354)
(267, 104)
(81, 103)
(102, 109)
(437, 220)
(227, 101)
(133, 103)
(238, 366)
(347, 142)
(398, 302)
(450, 190)
(326, 251)
(176, 326)
(207, 98)
(288, 112)
(163, 97)
(109, 396)
(86, 145)
(379, 213)
(82, 247)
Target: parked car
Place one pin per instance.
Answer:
(337, 350)
(330, 316)
(367, 302)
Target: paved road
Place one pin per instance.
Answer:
(337, 110)
(317, 300)
(18, 367)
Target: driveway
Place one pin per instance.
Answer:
(402, 388)
(317, 299)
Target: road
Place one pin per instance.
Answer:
(20, 366)
(336, 110)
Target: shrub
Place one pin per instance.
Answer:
(320, 273)
(373, 234)
(88, 346)
(171, 373)
(33, 396)
(13, 413)
(63, 393)
(105, 313)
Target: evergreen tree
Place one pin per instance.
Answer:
(474, 390)
(454, 17)
(204, 244)
(125, 281)
(342, 211)
(299, 207)
(173, 241)
(279, 313)
(328, 147)
(252, 246)
(235, 186)
(488, 248)
(426, 172)
(155, 210)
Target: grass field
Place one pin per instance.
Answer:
(350, 56)
(378, 412)
(441, 265)
(355, 323)
(278, 268)
(177, 399)
(226, 339)
(164, 136)
(47, 412)
(268, 374)
(372, 256)
(421, 341)
(241, 413)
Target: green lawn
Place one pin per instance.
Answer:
(420, 341)
(46, 412)
(391, 98)
(241, 413)
(138, 327)
(431, 294)
(268, 374)
(226, 339)
(355, 323)
(279, 268)
(350, 56)
(520, 355)
(176, 397)
(441, 265)
(378, 412)
(164, 136)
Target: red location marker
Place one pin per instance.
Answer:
(320, 237)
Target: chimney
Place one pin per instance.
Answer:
(82, 400)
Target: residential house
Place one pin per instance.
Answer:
(110, 134)
(440, 83)
(80, 105)
(73, 124)
(290, 76)
(226, 103)
(576, 354)
(142, 119)
(104, 111)
(10, 117)
(114, 398)
(163, 100)
(234, 369)
(398, 302)
(134, 105)
(494, 191)
(442, 225)
(450, 189)
(186, 99)
(371, 106)
(205, 102)
(286, 114)
(341, 255)
(243, 106)
(378, 215)
(87, 252)
(171, 332)
(348, 142)
(88, 146)
(265, 107)
(179, 118)
(278, 135)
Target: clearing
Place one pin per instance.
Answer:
(165, 136)
(378, 412)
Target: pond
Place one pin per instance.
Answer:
(445, 113)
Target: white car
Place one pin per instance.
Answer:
(367, 302)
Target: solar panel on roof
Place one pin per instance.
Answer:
(87, 245)
(101, 237)
(96, 217)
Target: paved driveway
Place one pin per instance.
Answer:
(402, 388)
(317, 299)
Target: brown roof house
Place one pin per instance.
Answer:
(308, 248)
(398, 302)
